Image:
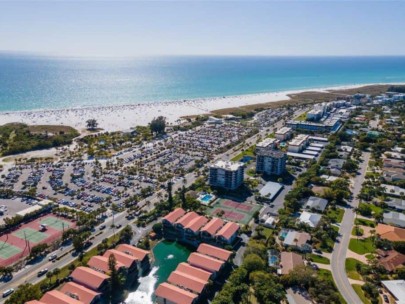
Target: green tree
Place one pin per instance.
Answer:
(158, 125)
(253, 262)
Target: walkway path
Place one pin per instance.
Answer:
(340, 248)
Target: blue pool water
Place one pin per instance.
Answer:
(206, 198)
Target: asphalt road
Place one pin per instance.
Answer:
(340, 249)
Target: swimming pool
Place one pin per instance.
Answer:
(206, 199)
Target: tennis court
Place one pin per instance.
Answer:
(7, 250)
(233, 211)
(31, 235)
(56, 223)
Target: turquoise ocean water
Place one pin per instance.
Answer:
(33, 82)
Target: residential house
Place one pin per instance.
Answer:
(295, 239)
(215, 252)
(288, 261)
(90, 278)
(81, 293)
(394, 218)
(311, 219)
(391, 259)
(57, 297)
(391, 233)
(228, 233)
(209, 231)
(170, 294)
(396, 288)
(396, 203)
(316, 203)
(141, 256)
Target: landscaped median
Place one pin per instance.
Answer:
(357, 288)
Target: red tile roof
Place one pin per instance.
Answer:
(228, 230)
(187, 281)
(80, 292)
(173, 216)
(89, 277)
(175, 294)
(137, 253)
(34, 302)
(205, 262)
(213, 226)
(196, 223)
(125, 259)
(392, 260)
(100, 263)
(214, 252)
(57, 297)
(184, 220)
(194, 271)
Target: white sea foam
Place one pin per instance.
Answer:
(144, 292)
(170, 256)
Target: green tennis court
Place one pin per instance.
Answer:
(55, 223)
(7, 250)
(32, 235)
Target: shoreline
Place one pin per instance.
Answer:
(124, 117)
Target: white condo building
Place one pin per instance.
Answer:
(226, 174)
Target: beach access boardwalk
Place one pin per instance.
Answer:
(338, 259)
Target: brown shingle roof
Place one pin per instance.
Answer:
(205, 262)
(228, 230)
(194, 271)
(57, 297)
(390, 233)
(213, 226)
(289, 260)
(175, 294)
(187, 281)
(173, 216)
(137, 253)
(214, 252)
(80, 292)
(91, 277)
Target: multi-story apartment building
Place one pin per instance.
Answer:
(226, 174)
(270, 162)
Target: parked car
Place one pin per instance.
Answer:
(102, 227)
(8, 292)
(42, 272)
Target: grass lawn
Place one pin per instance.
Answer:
(360, 293)
(361, 246)
(248, 152)
(267, 232)
(271, 135)
(302, 117)
(319, 259)
(350, 266)
(364, 222)
(335, 216)
(357, 231)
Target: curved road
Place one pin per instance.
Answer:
(340, 249)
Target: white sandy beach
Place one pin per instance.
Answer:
(123, 117)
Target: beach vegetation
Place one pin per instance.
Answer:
(19, 138)
(91, 124)
(158, 125)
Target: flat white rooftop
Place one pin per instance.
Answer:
(227, 165)
(265, 143)
(283, 130)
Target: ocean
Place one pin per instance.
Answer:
(35, 82)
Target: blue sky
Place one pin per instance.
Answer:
(133, 28)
